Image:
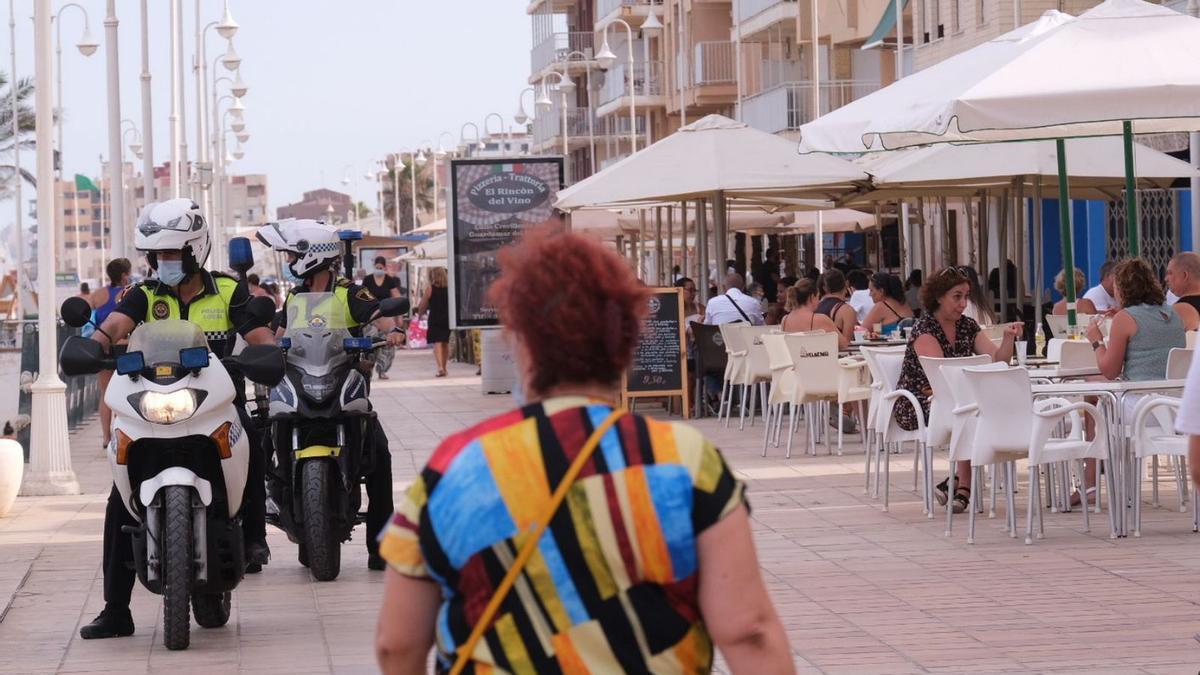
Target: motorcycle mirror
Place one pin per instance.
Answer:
(81, 356)
(76, 312)
(241, 256)
(262, 364)
(393, 306)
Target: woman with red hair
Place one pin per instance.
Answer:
(568, 535)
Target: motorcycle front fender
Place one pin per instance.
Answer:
(175, 475)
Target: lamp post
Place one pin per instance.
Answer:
(176, 95)
(87, 46)
(505, 131)
(226, 28)
(565, 85)
(148, 195)
(412, 179)
(352, 186)
(16, 134)
(116, 174)
(50, 470)
(606, 59)
(591, 109)
(521, 117)
(114, 225)
(462, 135)
(218, 223)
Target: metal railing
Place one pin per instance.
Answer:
(643, 82)
(83, 391)
(787, 106)
(555, 48)
(714, 63)
(750, 8)
(606, 7)
(618, 126)
(547, 126)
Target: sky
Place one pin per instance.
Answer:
(333, 86)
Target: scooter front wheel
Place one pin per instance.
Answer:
(176, 563)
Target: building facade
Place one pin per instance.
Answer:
(319, 205)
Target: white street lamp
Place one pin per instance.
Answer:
(521, 117)
(87, 46)
(239, 88)
(242, 136)
(562, 79)
(49, 470)
(238, 153)
(231, 60)
(462, 135)
(543, 102)
(228, 27)
(505, 132)
(606, 59)
(590, 104)
(421, 158)
(238, 125)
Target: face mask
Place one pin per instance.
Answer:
(170, 272)
(290, 275)
(379, 272)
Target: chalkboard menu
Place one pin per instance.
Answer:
(659, 365)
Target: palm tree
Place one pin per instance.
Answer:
(25, 129)
(424, 194)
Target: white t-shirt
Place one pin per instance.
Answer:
(721, 309)
(1100, 298)
(862, 303)
(1171, 297)
(1188, 421)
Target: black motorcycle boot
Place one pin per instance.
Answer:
(376, 562)
(109, 624)
(257, 555)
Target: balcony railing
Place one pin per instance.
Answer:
(547, 126)
(751, 8)
(618, 126)
(556, 47)
(642, 81)
(786, 107)
(606, 7)
(714, 63)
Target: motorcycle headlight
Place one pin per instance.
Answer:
(167, 408)
(319, 387)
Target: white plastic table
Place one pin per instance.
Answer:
(1122, 484)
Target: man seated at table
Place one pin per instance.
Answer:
(1143, 333)
(734, 305)
(1101, 294)
(1183, 279)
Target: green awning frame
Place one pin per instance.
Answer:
(887, 23)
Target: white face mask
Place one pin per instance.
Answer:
(380, 272)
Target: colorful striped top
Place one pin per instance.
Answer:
(612, 586)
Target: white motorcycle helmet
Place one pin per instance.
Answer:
(174, 225)
(316, 245)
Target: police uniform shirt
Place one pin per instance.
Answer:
(152, 300)
(361, 303)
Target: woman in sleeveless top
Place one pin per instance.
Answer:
(801, 303)
(890, 306)
(437, 302)
(104, 301)
(834, 306)
(1141, 338)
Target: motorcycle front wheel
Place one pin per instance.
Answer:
(177, 566)
(321, 543)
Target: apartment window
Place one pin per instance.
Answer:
(935, 20)
(981, 13)
(956, 15)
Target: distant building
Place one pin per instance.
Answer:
(514, 144)
(316, 204)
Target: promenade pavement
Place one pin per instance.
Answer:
(859, 590)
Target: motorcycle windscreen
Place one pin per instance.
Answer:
(161, 341)
(317, 323)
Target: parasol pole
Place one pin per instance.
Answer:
(1131, 210)
(1064, 224)
(1039, 273)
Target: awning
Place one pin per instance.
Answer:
(887, 23)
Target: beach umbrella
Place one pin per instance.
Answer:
(1123, 67)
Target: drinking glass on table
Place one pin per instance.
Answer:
(1021, 347)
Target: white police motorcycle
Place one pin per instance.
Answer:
(179, 458)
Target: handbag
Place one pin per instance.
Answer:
(539, 526)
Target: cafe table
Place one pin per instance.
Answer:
(1121, 478)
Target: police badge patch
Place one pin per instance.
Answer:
(365, 295)
(160, 310)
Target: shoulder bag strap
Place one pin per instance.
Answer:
(737, 307)
(526, 552)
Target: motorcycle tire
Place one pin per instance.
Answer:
(211, 609)
(302, 554)
(320, 540)
(177, 566)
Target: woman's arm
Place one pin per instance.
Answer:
(822, 322)
(874, 315)
(1084, 306)
(743, 624)
(1003, 352)
(425, 300)
(1111, 357)
(405, 632)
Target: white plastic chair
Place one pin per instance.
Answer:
(1154, 435)
(1077, 354)
(782, 386)
(1058, 323)
(853, 387)
(941, 407)
(889, 365)
(815, 360)
(875, 423)
(735, 349)
(1178, 363)
(755, 370)
(1190, 338)
(1054, 348)
(962, 433)
(1009, 426)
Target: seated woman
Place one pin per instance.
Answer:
(1082, 305)
(801, 305)
(1142, 335)
(943, 331)
(890, 305)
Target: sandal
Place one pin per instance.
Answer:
(942, 491)
(962, 499)
(1077, 499)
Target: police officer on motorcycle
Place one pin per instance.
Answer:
(175, 239)
(313, 250)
